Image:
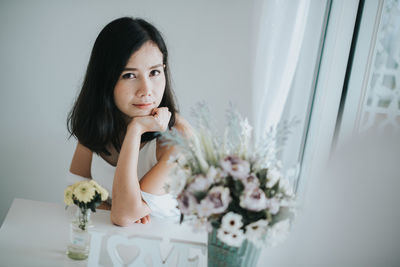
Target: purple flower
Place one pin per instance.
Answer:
(251, 181)
(187, 203)
(236, 167)
(200, 183)
(216, 201)
(253, 199)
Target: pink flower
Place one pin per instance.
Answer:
(251, 181)
(187, 203)
(205, 208)
(200, 183)
(253, 199)
(236, 167)
(216, 201)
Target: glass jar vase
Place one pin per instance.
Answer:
(79, 237)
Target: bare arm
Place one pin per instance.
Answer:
(154, 181)
(81, 161)
(127, 204)
(80, 165)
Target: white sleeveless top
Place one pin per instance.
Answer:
(162, 206)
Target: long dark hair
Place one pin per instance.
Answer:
(94, 119)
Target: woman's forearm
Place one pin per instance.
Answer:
(127, 204)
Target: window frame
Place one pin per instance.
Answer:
(328, 91)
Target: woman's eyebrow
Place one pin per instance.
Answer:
(152, 67)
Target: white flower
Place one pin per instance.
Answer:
(290, 203)
(238, 168)
(285, 187)
(94, 183)
(84, 192)
(68, 195)
(187, 203)
(177, 181)
(231, 222)
(233, 239)
(178, 159)
(216, 201)
(174, 158)
(103, 192)
(253, 199)
(278, 232)
(273, 205)
(273, 176)
(256, 230)
(251, 181)
(215, 174)
(205, 208)
(200, 183)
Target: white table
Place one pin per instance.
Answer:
(36, 233)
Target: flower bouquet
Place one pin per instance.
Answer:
(232, 187)
(87, 196)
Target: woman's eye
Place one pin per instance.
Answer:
(128, 76)
(155, 72)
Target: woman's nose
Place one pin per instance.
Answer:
(144, 89)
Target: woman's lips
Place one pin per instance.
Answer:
(143, 105)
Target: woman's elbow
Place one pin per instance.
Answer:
(121, 219)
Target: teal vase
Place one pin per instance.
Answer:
(222, 255)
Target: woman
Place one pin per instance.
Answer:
(125, 102)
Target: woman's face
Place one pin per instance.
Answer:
(141, 84)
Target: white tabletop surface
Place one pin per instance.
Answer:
(36, 233)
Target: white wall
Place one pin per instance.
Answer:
(45, 47)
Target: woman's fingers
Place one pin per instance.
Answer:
(162, 116)
(144, 220)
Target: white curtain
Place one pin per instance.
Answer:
(281, 28)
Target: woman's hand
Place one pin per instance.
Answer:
(144, 220)
(156, 122)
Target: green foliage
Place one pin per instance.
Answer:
(262, 177)
(199, 195)
(271, 192)
(92, 205)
